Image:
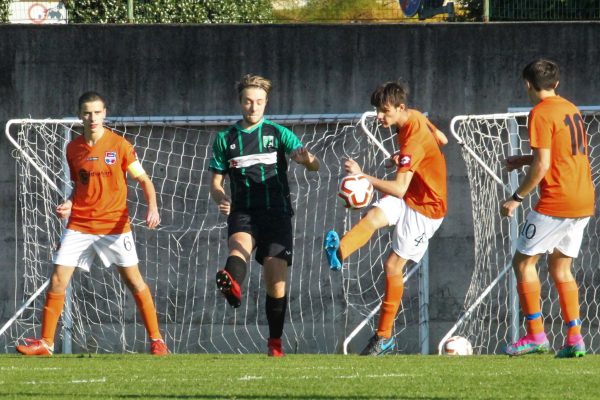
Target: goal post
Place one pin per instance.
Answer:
(491, 314)
(180, 258)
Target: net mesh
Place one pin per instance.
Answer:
(492, 316)
(179, 260)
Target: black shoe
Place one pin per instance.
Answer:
(379, 346)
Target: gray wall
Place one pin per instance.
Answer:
(190, 70)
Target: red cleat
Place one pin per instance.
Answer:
(158, 347)
(275, 348)
(35, 347)
(230, 288)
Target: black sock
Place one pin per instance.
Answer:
(236, 267)
(276, 309)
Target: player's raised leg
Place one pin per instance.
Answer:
(338, 250)
(55, 300)
(231, 277)
(529, 289)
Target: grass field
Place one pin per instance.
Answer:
(298, 377)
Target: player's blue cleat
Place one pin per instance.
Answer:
(331, 246)
(572, 351)
(528, 345)
(379, 346)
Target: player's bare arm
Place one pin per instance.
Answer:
(217, 193)
(396, 187)
(516, 162)
(304, 157)
(540, 164)
(152, 217)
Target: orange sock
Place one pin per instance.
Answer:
(358, 236)
(529, 296)
(568, 295)
(394, 287)
(145, 304)
(52, 310)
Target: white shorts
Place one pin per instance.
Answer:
(541, 234)
(79, 249)
(413, 230)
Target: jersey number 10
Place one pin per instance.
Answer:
(578, 137)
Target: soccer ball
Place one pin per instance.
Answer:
(355, 191)
(457, 346)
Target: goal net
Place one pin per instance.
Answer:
(491, 317)
(179, 260)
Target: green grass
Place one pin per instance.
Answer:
(298, 377)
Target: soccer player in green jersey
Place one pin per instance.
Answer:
(253, 154)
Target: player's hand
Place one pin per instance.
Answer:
(508, 206)
(64, 210)
(225, 205)
(152, 218)
(300, 155)
(351, 167)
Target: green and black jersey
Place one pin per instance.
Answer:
(257, 166)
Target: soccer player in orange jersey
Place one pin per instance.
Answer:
(98, 222)
(414, 202)
(560, 166)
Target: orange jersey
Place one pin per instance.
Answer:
(566, 190)
(100, 192)
(420, 153)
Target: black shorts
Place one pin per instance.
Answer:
(272, 233)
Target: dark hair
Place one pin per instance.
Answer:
(88, 97)
(390, 94)
(542, 74)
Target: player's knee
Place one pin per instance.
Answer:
(376, 218)
(58, 284)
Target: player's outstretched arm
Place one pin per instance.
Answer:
(152, 217)
(396, 187)
(217, 193)
(304, 157)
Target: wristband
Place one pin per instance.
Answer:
(517, 198)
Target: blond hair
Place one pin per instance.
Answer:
(257, 81)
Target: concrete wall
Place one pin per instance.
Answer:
(190, 70)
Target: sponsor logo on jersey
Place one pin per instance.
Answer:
(84, 176)
(232, 146)
(404, 160)
(92, 158)
(110, 157)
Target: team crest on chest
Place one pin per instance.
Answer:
(268, 141)
(110, 157)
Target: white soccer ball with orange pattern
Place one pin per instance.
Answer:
(457, 346)
(355, 191)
